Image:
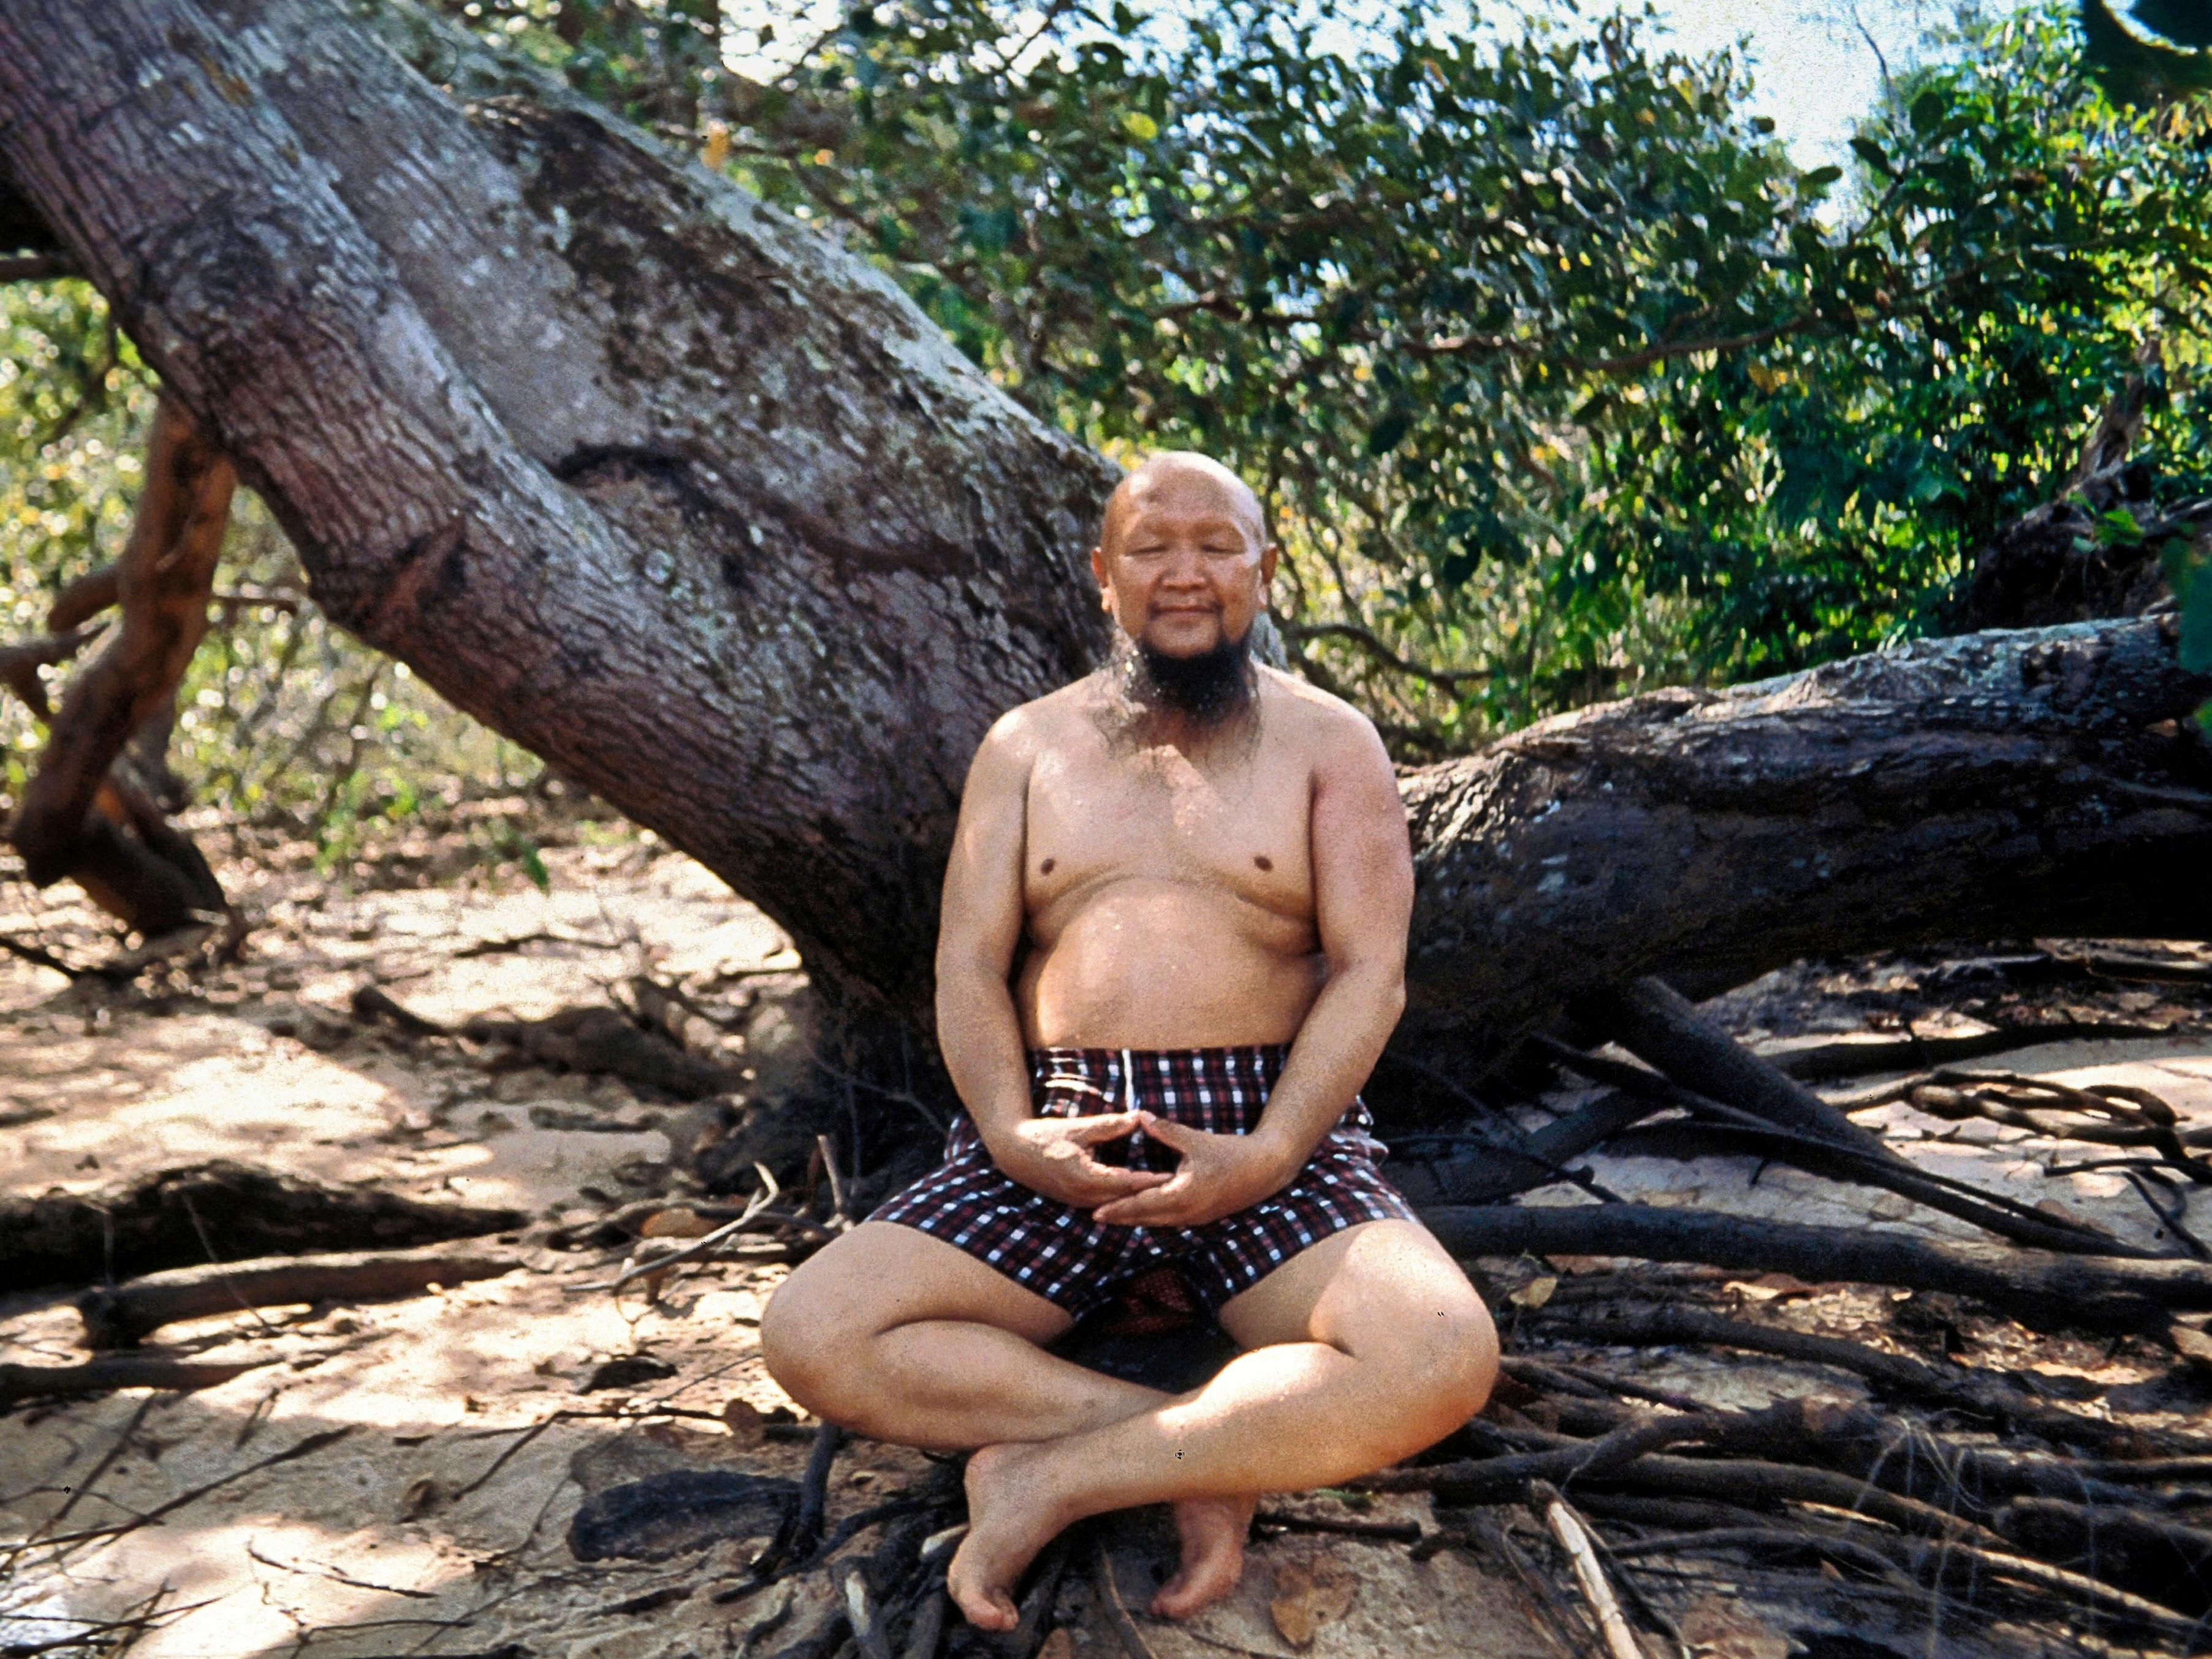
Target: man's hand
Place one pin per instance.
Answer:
(1052, 1156)
(1220, 1175)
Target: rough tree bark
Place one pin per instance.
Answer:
(696, 504)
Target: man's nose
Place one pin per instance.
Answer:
(1185, 569)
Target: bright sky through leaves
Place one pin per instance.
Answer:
(1819, 63)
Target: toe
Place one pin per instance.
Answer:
(986, 1609)
(1170, 1595)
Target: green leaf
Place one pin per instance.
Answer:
(1388, 432)
(1820, 178)
(534, 867)
(1141, 126)
(2196, 625)
(1873, 155)
(1928, 110)
(2118, 528)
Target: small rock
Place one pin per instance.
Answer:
(422, 1495)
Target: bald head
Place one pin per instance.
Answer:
(1184, 483)
(1183, 562)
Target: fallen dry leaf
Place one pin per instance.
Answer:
(674, 1223)
(2193, 1346)
(1536, 1292)
(748, 1428)
(1715, 1629)
(1305, 1600)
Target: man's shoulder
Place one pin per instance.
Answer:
(1024, 729)
(1315, 714)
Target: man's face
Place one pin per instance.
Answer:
(1182, 565)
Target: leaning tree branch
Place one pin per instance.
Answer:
(81, 816)
(19, 663)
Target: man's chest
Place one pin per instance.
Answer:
(1241, 823)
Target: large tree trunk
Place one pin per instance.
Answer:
(676, 493)
(652, 479)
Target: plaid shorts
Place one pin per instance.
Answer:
(1077, 1263)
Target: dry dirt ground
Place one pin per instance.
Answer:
(461, 1430)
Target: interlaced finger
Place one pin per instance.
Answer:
(1102, 1126)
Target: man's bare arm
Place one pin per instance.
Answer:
(978, 932)
(978, 1028)
(1363, 863)
(1363, 869)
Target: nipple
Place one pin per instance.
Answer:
(1045, 869)
(1263, 860)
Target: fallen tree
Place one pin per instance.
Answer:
(697, 506)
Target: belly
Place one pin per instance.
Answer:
(1167, 965)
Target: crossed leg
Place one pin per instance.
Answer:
(1358, 1351)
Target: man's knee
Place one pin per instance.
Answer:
(1465, 1365)
(803, 1344)
(1437, 1343)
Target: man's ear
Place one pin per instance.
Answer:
(1268, 555)
(1105, 581)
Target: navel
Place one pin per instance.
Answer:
(1045, 869)
(1263, 860)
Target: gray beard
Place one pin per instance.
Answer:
(1210, 690)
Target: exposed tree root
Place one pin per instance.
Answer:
(119, 1318)
(1733, 1128)
(218, 1211)
(1832, 1062)
(1654, 1021)
(1896, 1377)
(605, 1039)
(2044, 1292)
(2145, 1554)
(113, 1371)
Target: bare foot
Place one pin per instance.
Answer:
(1011, 1516)
(1212, 1530)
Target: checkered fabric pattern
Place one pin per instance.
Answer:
(1077, 1263)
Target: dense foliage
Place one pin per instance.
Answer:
(1559, 377)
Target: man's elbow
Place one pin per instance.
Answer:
(1390, 999)
(1380, 982)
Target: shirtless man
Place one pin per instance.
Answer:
(1173, 946)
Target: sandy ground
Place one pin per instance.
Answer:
(435, 1521)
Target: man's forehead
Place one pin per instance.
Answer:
(1183, 483)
